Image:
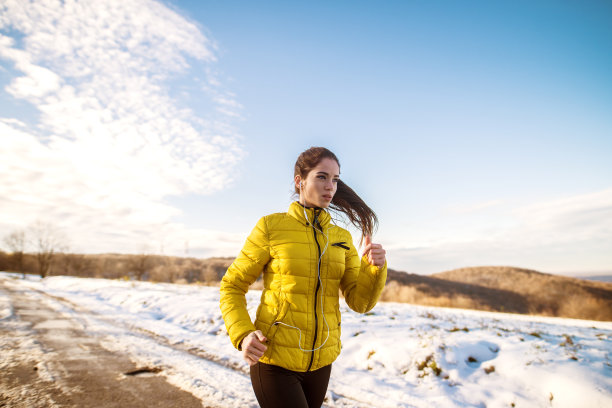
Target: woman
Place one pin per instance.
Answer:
(305, 261)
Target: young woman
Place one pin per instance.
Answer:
(305, 260)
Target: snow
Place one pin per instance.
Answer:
(398, 355)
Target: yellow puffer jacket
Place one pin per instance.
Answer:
(287, 247)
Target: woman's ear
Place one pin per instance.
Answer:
(298, 182)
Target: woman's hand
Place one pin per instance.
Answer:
(253, 347)
(375, 252)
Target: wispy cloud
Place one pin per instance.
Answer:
(475, 207)
(112, 137)
(569, 234)
(569, 219)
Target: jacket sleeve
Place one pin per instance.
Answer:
(239, 276)
(362, 283)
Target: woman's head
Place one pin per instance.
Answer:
(317, 182)
(316, 174)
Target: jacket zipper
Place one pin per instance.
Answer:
(314, 341)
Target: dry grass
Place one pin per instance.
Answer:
(156, 268)
(433, 291)
(504, 289)
(397, 292)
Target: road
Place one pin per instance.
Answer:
(49, 359)
(83, 352)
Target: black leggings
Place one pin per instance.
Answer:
(277, 387)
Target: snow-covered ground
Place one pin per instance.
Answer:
(398, 355)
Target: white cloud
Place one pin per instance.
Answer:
(569, 219)
(111, 141)
(570, 234)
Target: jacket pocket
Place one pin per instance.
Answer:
(341, 244)
(282, 312)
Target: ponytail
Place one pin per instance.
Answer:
(358, 212)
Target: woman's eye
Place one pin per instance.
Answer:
(336, 180)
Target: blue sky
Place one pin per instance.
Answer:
(480, 132)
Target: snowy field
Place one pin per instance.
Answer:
(398, 355)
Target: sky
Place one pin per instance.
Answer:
(480, 132)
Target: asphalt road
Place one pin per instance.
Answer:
(47, 359)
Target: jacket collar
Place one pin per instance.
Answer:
(297, 210)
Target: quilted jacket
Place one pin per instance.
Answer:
(287, 248)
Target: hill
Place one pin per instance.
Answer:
(504, 289)
(599, 278)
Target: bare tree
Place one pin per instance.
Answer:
(75, 265)
(81, 265)
(101, 268)
(16, 242)
(47, 241)
(141, 263)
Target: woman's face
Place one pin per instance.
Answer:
(319, 186)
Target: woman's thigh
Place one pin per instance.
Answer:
(315, 384)
(277, 387)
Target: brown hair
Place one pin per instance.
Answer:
(345, 200)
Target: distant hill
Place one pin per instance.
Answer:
(504, 289)
(599, 278)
